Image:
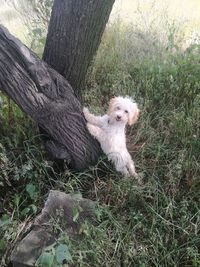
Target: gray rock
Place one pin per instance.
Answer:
(70, 210)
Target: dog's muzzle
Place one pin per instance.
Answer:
(118, 118)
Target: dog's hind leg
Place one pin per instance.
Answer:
(132, 172)
(120, 166)
(123, 170)
(131, 168)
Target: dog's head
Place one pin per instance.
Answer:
(123, 110)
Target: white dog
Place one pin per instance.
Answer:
(109, 130)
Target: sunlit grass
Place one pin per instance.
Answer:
(141, 13)
(11, 19)
(146, 14)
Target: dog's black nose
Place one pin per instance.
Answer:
(118, 117)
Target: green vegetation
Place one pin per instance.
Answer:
(156, 224)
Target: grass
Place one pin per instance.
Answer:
(156, 224)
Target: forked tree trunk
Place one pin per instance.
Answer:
(75, 31)
(49, 99)
(74, 35)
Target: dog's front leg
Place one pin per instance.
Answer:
(123, 170)
(92, 119)
(89, 116)
(94, 130)
(131, 166)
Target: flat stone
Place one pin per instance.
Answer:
(70, 210)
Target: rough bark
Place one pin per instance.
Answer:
(74, 34)
(49, 99)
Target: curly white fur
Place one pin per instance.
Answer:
(109, 130)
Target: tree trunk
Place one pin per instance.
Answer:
(49, 99)
(75, 31)
(74, 34)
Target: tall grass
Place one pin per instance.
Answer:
(156, 224)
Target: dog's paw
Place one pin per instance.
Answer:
(139, 179)
(91, 128)
(85, 111)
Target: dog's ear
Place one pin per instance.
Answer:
(133, 117)
(111, 104)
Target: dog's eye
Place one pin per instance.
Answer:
(126, 111)
(117, 108)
